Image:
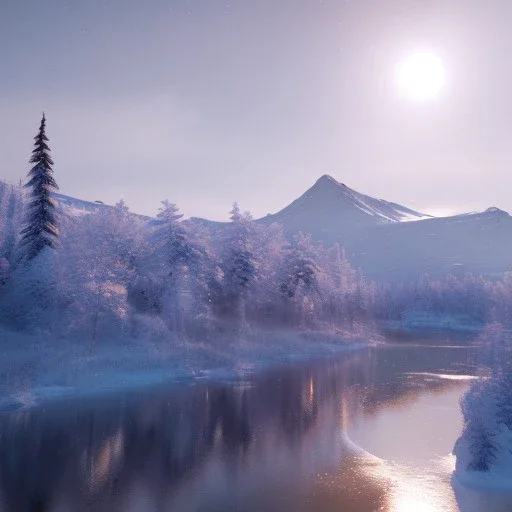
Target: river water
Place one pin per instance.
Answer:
(371, 431)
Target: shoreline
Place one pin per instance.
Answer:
(71, 370)
(60, 369)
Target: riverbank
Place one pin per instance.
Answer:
(483, 451)
(37, 368)
(421, 321)
(484, 458)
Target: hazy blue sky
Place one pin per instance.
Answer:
(205, 102)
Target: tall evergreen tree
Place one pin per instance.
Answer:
(40, 229)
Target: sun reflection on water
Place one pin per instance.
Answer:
(415, 489)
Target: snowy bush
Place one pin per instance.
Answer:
(485, 446)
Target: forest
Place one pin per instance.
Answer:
(110, 273)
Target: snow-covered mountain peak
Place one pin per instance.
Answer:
(331, 211)
(496, 211)
(328, 192)
(328, 181)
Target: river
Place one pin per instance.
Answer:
(368, 431)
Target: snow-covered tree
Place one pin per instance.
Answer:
(339, 284)
(172, 241)
(298, 279)
(100, 259)
(238, 266)
(482, 447)
(179, 255)
(300, 269)
(40, 230)
(264, 291)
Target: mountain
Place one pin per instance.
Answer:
(378, 236)
(380, 239)
(479, 243)
(78, 207)
(330, 211)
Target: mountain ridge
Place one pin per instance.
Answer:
(376, 234)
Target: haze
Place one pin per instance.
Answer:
(207, 102)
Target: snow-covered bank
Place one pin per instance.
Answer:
(36, 368)
(484, 449)
(484, 457)
(421, 320)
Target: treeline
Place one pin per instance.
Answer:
(113, 269)
(109, 270)
(478, 299)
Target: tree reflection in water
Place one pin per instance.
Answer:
(262, 444)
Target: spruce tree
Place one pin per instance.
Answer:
(40, 229)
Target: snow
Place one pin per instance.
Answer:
(499, 477)
(409, 217)
(485, 481)
(443, 376)
(422, 320)
(36, 368)
(334, 208)
(74, 207)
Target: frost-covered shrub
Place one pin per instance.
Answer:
(30, 297)
(486, 440)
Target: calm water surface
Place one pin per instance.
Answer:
(372, 431)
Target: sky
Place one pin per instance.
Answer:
(206, 102)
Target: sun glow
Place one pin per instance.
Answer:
(421, 75)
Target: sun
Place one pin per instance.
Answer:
(421, 75)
